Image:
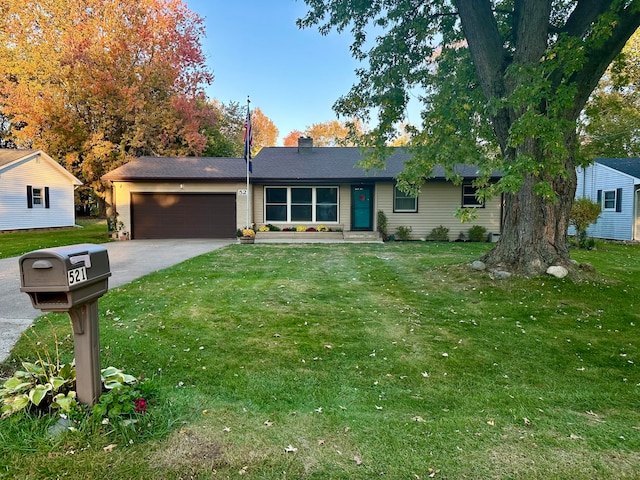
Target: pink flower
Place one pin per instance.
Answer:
(140, 405)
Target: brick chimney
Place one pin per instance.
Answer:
(305, 144)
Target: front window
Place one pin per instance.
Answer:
(301, 204)
(326, 204)
(403, 202)
(276, 204)
(609, 200)
(470, 196)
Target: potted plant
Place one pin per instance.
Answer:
(247, 235)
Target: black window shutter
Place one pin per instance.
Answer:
(29, 196)
(619, 200)
(46, 197)
(600, 197)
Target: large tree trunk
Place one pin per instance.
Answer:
(534, 230)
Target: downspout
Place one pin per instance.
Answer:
(636, 234)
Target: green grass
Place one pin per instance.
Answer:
(373, 361)
(18, 243)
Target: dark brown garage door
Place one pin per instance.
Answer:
(181, 215)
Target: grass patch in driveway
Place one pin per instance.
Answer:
(360, 361)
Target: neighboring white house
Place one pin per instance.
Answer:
(615, 184)
(35, 191)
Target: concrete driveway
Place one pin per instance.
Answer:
(128, 261)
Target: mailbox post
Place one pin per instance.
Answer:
(71, 279)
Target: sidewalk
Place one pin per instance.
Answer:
(128, 261)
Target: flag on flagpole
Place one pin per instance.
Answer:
(248, 140)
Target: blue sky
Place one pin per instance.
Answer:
(255, 49)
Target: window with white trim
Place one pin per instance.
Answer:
(404, 202)
(609, 200)
(37, 197)
(301, 204)
(470, 196)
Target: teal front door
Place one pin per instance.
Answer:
(362, 207)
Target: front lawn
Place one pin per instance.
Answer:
(357, 362)
(17, 243)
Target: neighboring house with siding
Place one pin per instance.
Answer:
(35, 191)
(290, 186)
(614, 183)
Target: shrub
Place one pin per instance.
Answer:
(403, 233)
(439, 234)
(477, 233)
(584, 212)
(382, 225)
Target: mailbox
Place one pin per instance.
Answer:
(60, 278)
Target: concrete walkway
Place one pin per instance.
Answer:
(128, 261)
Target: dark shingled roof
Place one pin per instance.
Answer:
(630, 166)
(332, 163)
(273, 164)
(180, 168)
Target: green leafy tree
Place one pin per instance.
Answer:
(504, 81)
(610, 126)
(225, 135)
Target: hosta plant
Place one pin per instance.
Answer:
(40, 386)
(49, 387)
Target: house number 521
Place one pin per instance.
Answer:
(77, 275)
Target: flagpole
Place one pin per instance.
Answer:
(247, 154)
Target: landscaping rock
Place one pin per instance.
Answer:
(557, 271)
(587, 267)
(478, 265)
(61, 426)
(500, 274)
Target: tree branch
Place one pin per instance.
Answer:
(583, 16)
(601, 56)
(488, 55)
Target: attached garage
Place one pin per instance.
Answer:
(179, 197)
(182, 215)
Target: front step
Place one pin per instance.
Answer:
(362, 237)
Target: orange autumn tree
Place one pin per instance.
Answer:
(96, 83)
(328, 134)
(291, 140)
(265, 132)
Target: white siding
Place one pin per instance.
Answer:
(437, 205)
(611, 224)
(39, 173)
(122, 196)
